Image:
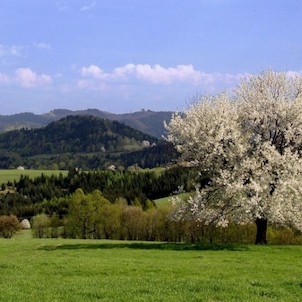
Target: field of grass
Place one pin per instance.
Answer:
(14, 174)
(91, 270)
(157, 170)
(166, 201)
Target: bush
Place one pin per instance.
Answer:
(55, 224)
(40, 226)
(282, 235)
(9, 225)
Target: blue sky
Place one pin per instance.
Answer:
(126, 55)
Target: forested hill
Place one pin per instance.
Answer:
(86, 142)
(74, 134)
(147, 121)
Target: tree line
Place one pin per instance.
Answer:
(92, 216)
(46, 194)
(158, 155)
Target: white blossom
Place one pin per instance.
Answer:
(250, 146)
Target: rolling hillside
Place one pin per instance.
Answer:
(83, 141)
(147, 121)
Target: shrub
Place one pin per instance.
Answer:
(40, 225)
(55, 224)
(9, 225)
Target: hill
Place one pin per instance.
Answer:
(80, 141)
(147, 121)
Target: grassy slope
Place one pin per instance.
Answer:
(14, 174)
(167, 201)
(90, 270)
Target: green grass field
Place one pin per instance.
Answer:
(167, 201)
(14, 174)
(91, 270)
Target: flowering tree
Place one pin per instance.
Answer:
(250, 147)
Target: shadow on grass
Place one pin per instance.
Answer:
(148, 246)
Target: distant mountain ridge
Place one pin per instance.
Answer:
(147, 121)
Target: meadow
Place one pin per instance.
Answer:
(14, 174)
(167, 201)
(99, 270)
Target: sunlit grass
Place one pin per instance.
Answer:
(167, 201)
(14, 174)
(92, 270)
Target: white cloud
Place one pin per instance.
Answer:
(28, 78)
(93, 71)
(42, 45)
(123, 71)
(88, 7)
(12, 50)
(155, 74)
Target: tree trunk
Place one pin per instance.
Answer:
(261, 231)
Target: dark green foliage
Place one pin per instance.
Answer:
(117, 205)
(155, 156)
(73, 134)
(82, 141)
(47, 193)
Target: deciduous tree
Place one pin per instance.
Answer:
(250, 146)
